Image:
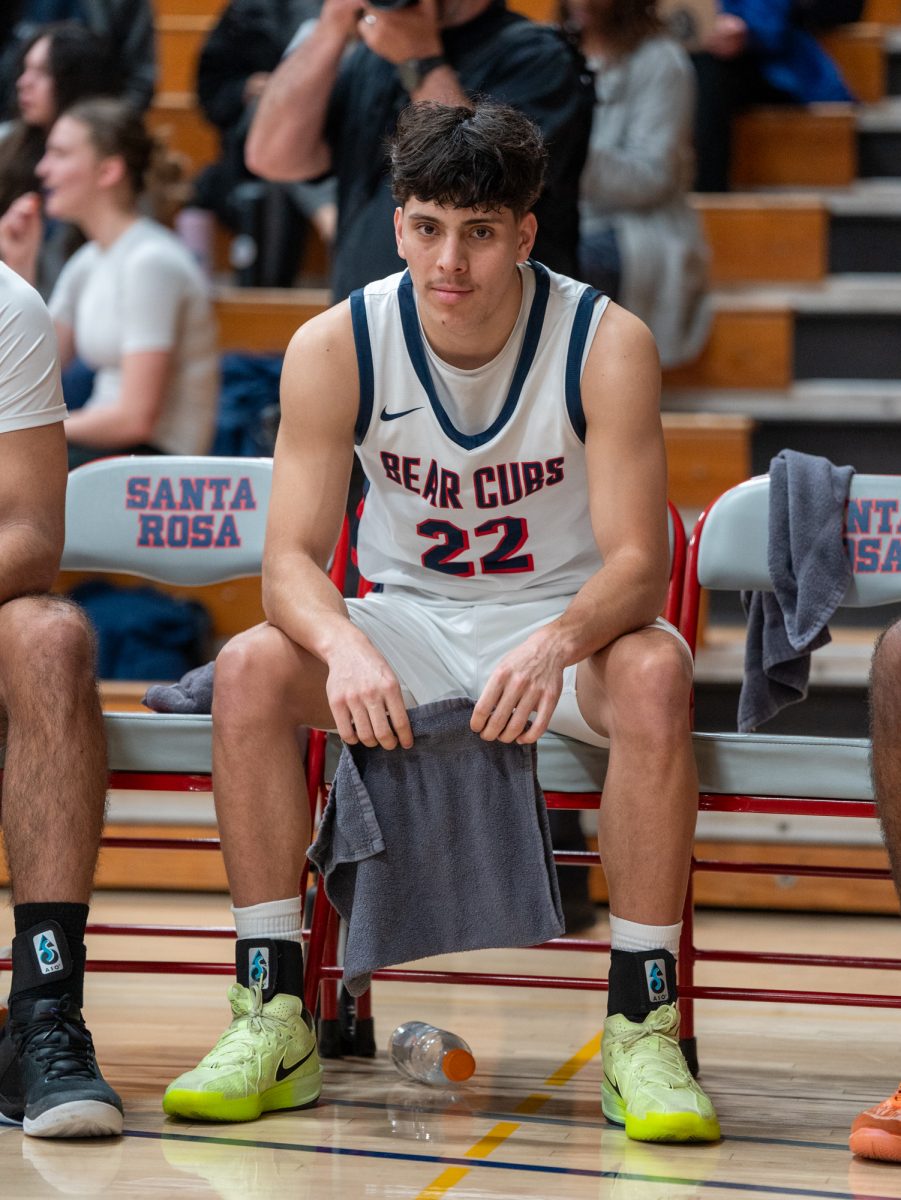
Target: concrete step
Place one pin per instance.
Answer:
(879, 139)
(842, 402)
(865, 227)
(802, 236)
(846, 327)
(892, 43)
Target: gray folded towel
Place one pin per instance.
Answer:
(810, 572)
(192, 694)
(439, 848)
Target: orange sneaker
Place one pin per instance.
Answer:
(876, 1133)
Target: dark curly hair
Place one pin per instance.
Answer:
(487, 156)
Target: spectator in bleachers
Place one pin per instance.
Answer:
(61, 64)
(640, 241)
(323, 111)
(760, 52)
(126, 26)
(132, 303)
(242, 50)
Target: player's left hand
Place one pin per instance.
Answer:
(528, 679)
(399, 34)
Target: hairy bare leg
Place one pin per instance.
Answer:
(636, 691)
(54, 782)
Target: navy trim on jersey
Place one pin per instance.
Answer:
(413, 338)
(573, 378)
(364, 363)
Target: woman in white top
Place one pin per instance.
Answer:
(131, 303)
(640, 241)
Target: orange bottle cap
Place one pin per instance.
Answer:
(458, 1065)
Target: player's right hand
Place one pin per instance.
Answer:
(365, 698)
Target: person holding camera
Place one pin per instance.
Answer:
(323, 112)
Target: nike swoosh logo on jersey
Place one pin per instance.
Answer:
(384, 415)
(282, 1072)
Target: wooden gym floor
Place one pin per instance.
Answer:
(787, 1082)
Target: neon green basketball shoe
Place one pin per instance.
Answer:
(647, 1085)
(265, 1060)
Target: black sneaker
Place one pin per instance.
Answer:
(62, 1093)
(12, 1101)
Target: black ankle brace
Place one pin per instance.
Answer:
(46, 963)
(640, 981)
(274, 965)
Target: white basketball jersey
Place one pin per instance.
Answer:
(500, 508)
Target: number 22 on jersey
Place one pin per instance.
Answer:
(509, 536)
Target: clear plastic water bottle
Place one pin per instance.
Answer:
(430, 1055)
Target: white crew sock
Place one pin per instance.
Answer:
(278, 919)
(629, 935)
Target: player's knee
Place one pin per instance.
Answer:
(46, 640)
(886, 668)
(249, 672)
(656, 684)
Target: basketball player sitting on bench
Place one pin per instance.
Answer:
(472, 359)
(54, 783)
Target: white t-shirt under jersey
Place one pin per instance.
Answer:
(145, 292)
(30, 390)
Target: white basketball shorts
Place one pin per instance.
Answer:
(439, 649)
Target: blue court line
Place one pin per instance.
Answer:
(490, 1164)
(490, 1115)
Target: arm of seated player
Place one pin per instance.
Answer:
(32, 508)
(627, 496)
(132, 419)
(313, 456)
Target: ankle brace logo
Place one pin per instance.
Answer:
(47, 951)
(655, 971)
(259, 966)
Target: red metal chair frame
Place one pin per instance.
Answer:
(690, 954)
(323, 969)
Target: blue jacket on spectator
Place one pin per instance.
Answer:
(790, 58)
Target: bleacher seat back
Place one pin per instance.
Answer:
(184, 520)
(733, 549)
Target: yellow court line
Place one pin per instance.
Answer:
(579, 1060)
(499, 1134)
(492, 1139)
(442, 1185)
